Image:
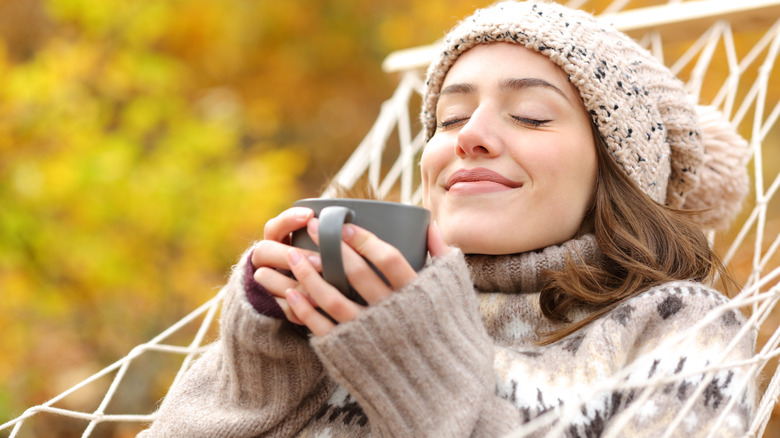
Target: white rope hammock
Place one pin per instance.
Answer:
(726, 52)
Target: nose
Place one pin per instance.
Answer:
(478, 137)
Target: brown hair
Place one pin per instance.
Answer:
(643, 244)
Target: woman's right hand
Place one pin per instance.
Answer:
(270, 256)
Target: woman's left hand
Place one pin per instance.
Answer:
(357, 243)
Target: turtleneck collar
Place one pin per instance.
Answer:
(519, 273)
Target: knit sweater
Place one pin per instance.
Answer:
(438, 359)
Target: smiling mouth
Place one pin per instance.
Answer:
(479, 180)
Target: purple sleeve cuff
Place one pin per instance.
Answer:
(258, 296)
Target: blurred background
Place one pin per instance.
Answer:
(143, 145)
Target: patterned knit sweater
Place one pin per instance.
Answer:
(438, 359)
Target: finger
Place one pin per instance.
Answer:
(436, 244)
(326, 296)
(280, 227)
(303, 310)
(274, 281)
(362, 277)
(359, 273)
(385, 257)
(277, 283)
(288, 312)
(269, 253)
(313, 228)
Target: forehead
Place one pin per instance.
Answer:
(487, 62)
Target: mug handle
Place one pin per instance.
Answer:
(332, 219)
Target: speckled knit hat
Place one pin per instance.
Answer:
(680, 154)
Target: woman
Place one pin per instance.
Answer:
(553, 144)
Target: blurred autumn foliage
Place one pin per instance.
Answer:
(143, 145)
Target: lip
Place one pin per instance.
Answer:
(479, 180)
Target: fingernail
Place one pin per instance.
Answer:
(313, 227)
(292, 296)
(348, 231)
(294, 256)
(315, 260)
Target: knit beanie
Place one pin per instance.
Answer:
(680, 154)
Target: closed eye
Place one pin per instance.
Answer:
(452, 122)
(530, 122)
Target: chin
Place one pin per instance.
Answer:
(486, 246)
(498, 245)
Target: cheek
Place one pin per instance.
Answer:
(575, 173)
(564, 159)
(425, 168)
(432, 163)
(585, 164)
(565, 174)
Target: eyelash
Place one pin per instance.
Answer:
(521, 120)
(447, 123)
(532, 122)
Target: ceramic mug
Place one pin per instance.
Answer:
(403, 226)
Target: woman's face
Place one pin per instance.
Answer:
(512, 164)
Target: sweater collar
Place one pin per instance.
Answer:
(513, 273)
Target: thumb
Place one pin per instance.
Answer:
(436, 244)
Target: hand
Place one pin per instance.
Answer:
(270, 256)
(358, 243)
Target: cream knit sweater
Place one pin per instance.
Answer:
(437, 359)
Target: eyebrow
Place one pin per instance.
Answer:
(459, 88)
(519, 84)
(505, 85)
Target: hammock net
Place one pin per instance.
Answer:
(724, 50)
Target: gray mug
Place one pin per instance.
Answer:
(403, 226)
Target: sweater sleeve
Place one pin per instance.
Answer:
(258, 296)
(261, 378)
(420, 363)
